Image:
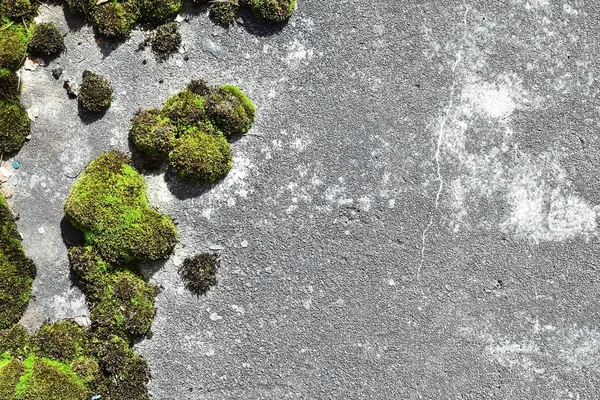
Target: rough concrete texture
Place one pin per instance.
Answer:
(413, 215)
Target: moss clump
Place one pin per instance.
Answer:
(46, 40)
(82, 7)
(14, 342)
(185, 109)
(11, 371)
(108, 203)
(9, 84)
(273, 10)
(159, 10)
(13, 46)
(50, 380)
(86, 368)
(16, 270)
(19, 10)
(166, 39)
(199, 273)
(95, 94)
(224, 13)
(199, 87)
(153, 133)
(15, 125)
(115, 19)
(230, 110)
(201, 156)
(61, 341)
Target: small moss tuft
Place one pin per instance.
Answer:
(199, 87)
(230, 110)
(115, 19)
(82, 7)
(95, 94)
(13, 46)
(185, 109)
(159, 10)
(201, 156)
(166, 39)
(10, 375)
(19, 10)
(15, 125)
(108, 203)
(61, 341)
(224, 13)
(86, 368)
(14, 341)
(9, 84)
(199, 273)
(273, 10)
(16, 270)
(152, 133)
(46, 40)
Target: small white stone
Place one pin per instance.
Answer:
(391, 282)
(215, 317)
(179, 19)
(41, 230)
(244, 243)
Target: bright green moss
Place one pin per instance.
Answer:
(13, 45)
(9, 84)
(46, 40)
(159, 10)
(15, 125)
(152, 133)
(61, 341)
(16, 271)
(224, 13)
(230, 110)
(95, 93)
(273, 10)
(50, 380)
(185, 109)
(10, 374)
(19, 10)
(201, 157)
(108, 203)
(14, 341)
(166, 39)
(115, 19)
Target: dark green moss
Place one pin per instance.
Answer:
(61, 341)
(166, 39)
(82, 7)
(201, 157)
(185, 109)
(199, 87)
(46, 40)
(50, 380)
(19, 10)
(108, 203)
(15, 125)
(14, 341)
(199, 273)
(273, 10)
(11, 371)
(114, 19)
(9, 84)
(152, 133)
(224, 13)
(86, 368)
(16, 271)
(95, 93)
(13, 46)
(230, 110)
(159, 10)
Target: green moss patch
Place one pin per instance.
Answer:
(13, 45)
(46, 40)
(10, 375)
(108, 203)
(50, 380)
(224, 13)
(230, 110)
(115, 19)
(9, 84)
(166, 39)
(14, 341)
(16, 270)
(185, 109)
(62, 341)
(159, 10)
(95, 94)
(19, 10)
(273, 10)
(199, 273)
(15, 125)
(153, 133)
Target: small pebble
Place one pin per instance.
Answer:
(57, 72)
(244, 244)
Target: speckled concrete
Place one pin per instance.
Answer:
(413, 215)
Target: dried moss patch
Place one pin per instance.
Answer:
(166, 39)
(199, 273)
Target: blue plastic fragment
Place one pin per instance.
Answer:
(16, 164)
(96, 397)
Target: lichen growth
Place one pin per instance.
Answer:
(95, 93)
(273, 10)
(230, 110)
(108, 203)
(17, 271)
(9, 84)
(224, 13)
(166, 39)
(46, 40)
(199, 273)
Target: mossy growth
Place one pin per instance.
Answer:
(16, 270)
(273, 10)
(121, 303)
(9, 84)
(46, 40)
(159, 10)
(95, 93)
(199, 87)
(82, 7)
(201, 156)
(19, 10)
(49, 380)
(185, 109)
(108, 203)
(15, 125)
(166, 39)
(61, 341)
(224, 13)
(153, 133)
(13, 45)
(14, 342)
(11, 370)
(199, 273)
(115, 19)
(230, 110)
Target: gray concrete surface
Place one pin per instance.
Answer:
(413, 215)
